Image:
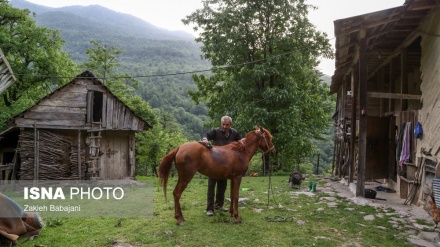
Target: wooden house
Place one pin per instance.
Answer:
(80, 131)
(387, 82)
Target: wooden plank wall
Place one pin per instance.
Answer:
(64, 108)
(67, 109)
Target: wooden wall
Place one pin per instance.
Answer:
(58, 154)
(66, 108)
(430, 64)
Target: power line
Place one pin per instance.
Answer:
(168, 74)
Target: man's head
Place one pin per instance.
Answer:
(226, 122)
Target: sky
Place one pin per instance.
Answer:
(168, 14)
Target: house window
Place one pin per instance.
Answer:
(94, 106)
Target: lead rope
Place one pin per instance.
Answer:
(269, 190)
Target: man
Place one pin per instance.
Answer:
(219, 137)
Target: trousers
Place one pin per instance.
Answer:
(219, 195)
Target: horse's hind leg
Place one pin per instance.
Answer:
(182, 182)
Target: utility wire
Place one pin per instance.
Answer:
(169, 74)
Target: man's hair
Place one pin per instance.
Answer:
(226, 118)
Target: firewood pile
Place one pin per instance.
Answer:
(55, 156)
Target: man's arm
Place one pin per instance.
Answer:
(208, 136)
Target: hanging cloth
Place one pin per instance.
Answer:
(405, 155)
(400, 141)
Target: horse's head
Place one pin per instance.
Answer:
(265, 144)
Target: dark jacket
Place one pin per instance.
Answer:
(220, 138)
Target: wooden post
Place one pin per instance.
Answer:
(36, 153)
(79, 154)
(403, 78)
(317, 165)
(335, 144)
(131, 159)
(360, 187)
(354, 94)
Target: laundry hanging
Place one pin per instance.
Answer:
(405, 154)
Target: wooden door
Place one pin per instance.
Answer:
(377, 163)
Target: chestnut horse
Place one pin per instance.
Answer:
(219, 162)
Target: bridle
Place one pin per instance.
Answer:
(269, 149)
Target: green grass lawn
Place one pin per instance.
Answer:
(271, 217)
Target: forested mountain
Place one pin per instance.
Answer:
(151, 54)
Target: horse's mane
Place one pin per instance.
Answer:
(237, 145)
(241, 144)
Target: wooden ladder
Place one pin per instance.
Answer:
(94, 135)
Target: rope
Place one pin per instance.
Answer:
(269, 191)
(278, 219)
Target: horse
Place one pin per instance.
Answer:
(219, 162)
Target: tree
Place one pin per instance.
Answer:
(152, 145)
(265, 56)
(36, 57)
(103, 63)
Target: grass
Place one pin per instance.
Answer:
(271, 217)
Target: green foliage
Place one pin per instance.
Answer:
(102, 59)
(271, 53)
(35, 55)
(152, 145)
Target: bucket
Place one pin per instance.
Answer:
(369, 193)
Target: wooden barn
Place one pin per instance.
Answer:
(387, 83)
(80, 131)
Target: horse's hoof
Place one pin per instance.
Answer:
(237, 220)
(180, 223)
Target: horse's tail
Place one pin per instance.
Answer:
(165, 169)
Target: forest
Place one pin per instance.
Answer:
(168, 69)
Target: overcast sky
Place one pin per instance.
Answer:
(169, 13)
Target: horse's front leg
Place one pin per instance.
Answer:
(231, 204)
(235, 187)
